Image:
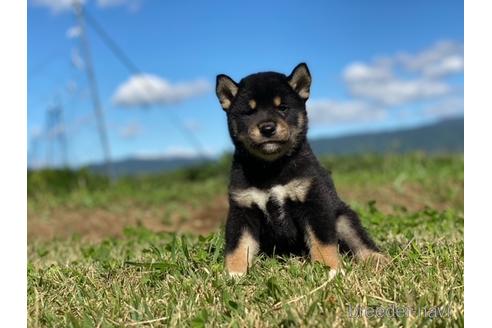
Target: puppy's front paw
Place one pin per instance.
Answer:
(333, 272)
(236, 275)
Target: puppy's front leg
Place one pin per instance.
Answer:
(321, 235)
(240, 258)
(324, 252)
(241, 242)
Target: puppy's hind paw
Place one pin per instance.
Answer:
(377, 260)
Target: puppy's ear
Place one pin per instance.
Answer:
(226, 90)
(300, 80)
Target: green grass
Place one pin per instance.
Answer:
(48, 189)
(167, 279)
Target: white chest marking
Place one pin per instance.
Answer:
(296, 190)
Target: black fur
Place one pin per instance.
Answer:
(283, 229)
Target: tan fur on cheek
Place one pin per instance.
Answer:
(252, 103)
(255, 134)
(282, 130)
(324, 253)
(238, 261)
(277, 101)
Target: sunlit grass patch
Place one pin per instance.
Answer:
(179, 280)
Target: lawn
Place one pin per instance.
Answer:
(148, 252)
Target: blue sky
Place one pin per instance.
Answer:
(375, 65)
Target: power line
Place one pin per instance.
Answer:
(39, 67)
(130, 65)
(112, 45)
(91, 77)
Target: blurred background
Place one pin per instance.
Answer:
(124, 127)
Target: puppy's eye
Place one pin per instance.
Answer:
(283, 107)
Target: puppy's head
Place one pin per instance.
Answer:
(266, 112)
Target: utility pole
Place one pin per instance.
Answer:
(60, 131)
(55, 129)
(133, 69)
(101, 124)
(48, 128)
(33, 152)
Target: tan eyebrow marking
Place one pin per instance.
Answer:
(252, 103)
(226, 103)
(277, 101)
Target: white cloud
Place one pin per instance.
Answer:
(359, 71)
(378, 81)
(447, 108)
(327, 112)
(443, 58)
(394, 91)
(133, 5)
(446, 66)
(59, 6)
(56, 6)
(110, 3)
(76, 59)
(74, 32)
(387, 83)
(130, 130)
(147, 90)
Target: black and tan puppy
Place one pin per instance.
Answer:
(281, 199)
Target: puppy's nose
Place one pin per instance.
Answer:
(267, 129)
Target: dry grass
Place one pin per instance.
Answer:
(112, 257)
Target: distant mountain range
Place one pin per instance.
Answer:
(442, 137)
(135, 166)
